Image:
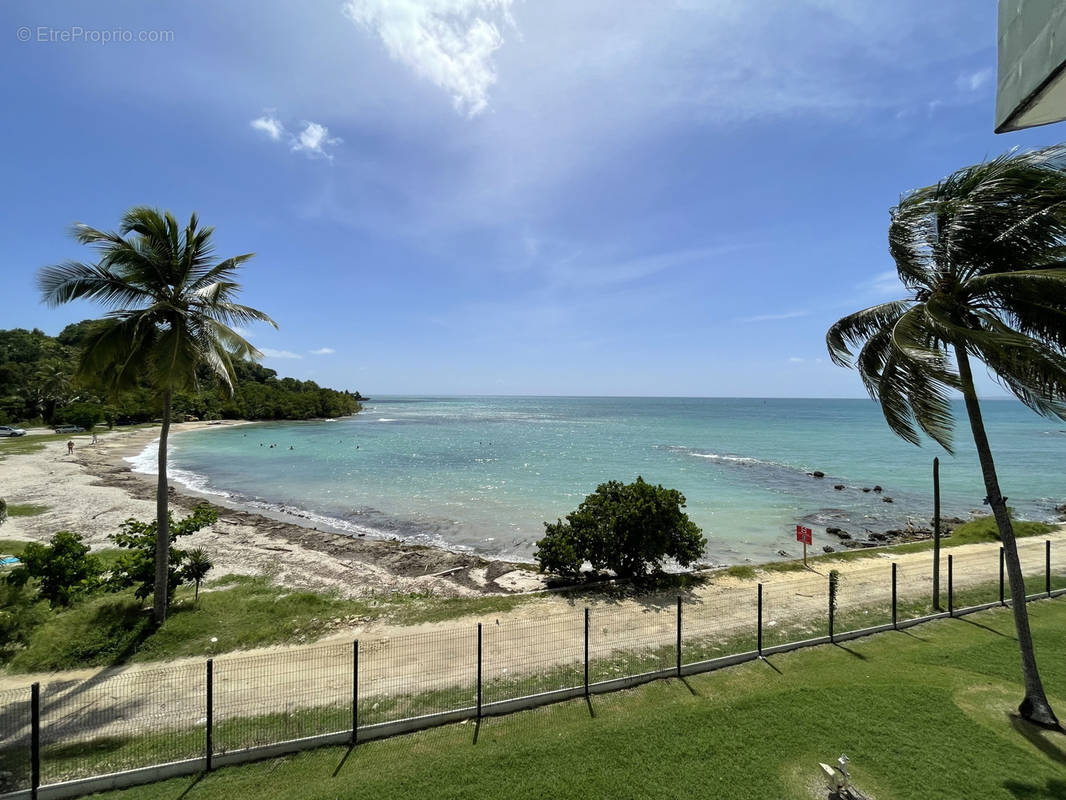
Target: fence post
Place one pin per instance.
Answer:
(679, 636)
(832, 637)
(209, 745)
(355, 692)
(35, 739)
(951, 590)
(759, 635)
(586, 651)
(1002, 599)
(895, 619)
(1047, 566)
(479, 670)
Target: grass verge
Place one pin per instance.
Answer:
(25, 509)
(980, 530)
(891, 702)
(245, 612)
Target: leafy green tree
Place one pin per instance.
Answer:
(64, 569)
(137, 567)
(627, 528)
(982, 256)
(83, 414)
(172, 305)
(197, 564)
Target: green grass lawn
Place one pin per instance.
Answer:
(25, 509)
(924, 713)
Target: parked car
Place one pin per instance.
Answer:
(7, 430)
(69, 429)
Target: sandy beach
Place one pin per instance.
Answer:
(93, 491)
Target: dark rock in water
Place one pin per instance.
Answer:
(784, 554)
(851, 544)
(817, 474)
(948, 523)
(1061, 511)
(879, 537)
(839, 532)
(877, 489)
(866, 488)
(839, 487)
(828, 549)
(886, 499)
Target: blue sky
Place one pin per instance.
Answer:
(506, 197)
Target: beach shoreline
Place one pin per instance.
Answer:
(94, 490)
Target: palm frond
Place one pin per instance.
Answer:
(73, 280)
(856, 328)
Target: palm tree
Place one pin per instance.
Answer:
(197, 564)
(982, 254)
(53, 385)
(171, 307)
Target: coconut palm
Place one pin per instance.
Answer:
(197, 564)
(982, 255)
(53, 386)
(171, 307)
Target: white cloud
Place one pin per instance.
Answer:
(323, 351)
(974, 81)
(269, 124)
(313, 140)
(772, 317)
(448, 42)
(270, 352)
(795, 360)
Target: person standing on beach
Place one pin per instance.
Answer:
(93, 442)
(70, 447)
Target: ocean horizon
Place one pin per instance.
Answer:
(484, 473)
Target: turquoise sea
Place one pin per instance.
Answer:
(484, 473)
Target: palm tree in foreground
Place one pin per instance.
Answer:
(171, 308)
(983, 254)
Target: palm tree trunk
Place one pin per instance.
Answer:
(1035, 706)
(162, 530)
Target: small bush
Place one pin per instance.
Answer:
(63, 569)
(136, 566)
(629, 529)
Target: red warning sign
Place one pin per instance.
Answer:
(803, 534)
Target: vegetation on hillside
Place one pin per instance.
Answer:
(31, 364)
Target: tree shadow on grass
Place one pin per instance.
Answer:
(1054, 789)
(1051, 743)
(654, 592)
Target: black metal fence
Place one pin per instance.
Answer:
(62, 738)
